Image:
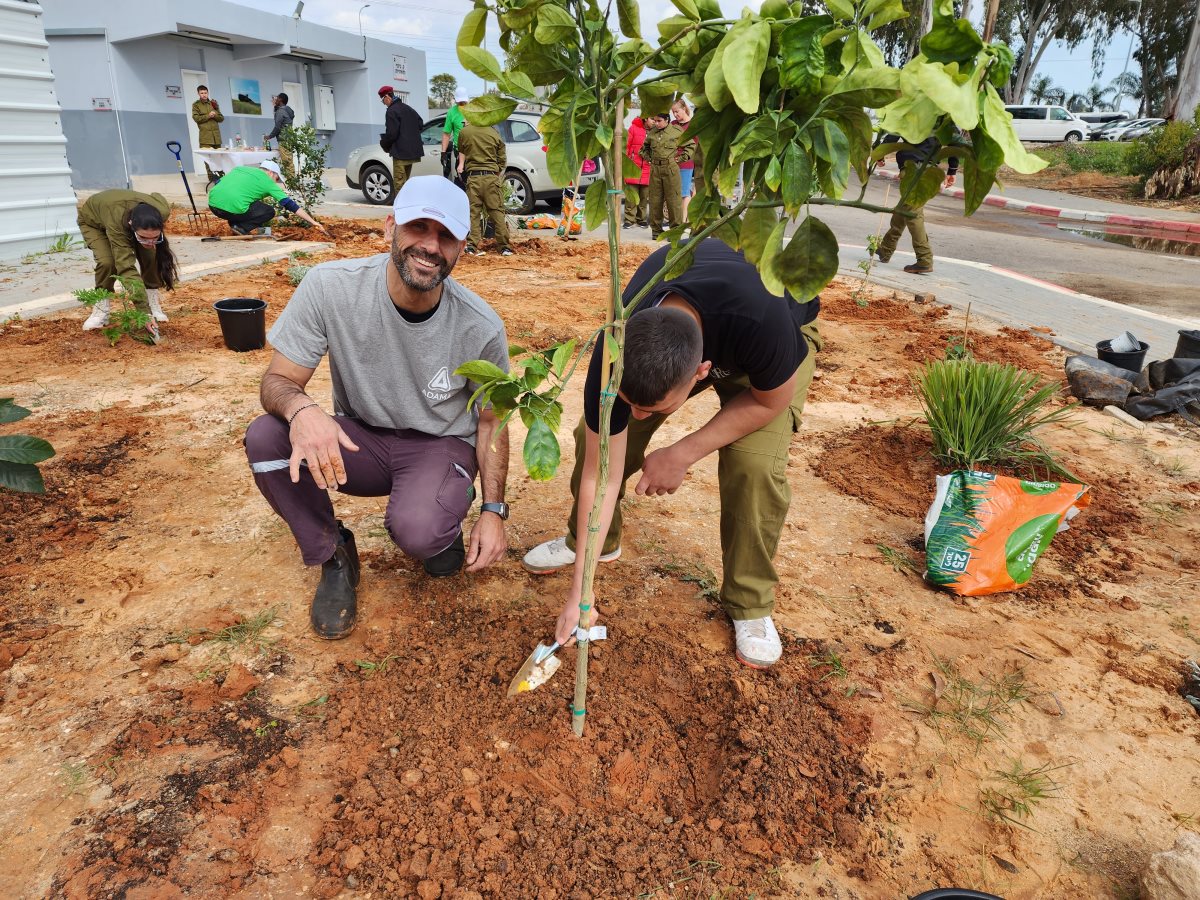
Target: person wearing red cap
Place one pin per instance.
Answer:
(402, 136)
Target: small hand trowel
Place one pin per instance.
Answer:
(536, 670)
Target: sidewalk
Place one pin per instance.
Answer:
(1055, 204)
(44, 284)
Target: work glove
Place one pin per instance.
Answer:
(447, 160)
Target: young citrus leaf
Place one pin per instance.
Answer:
(873, 87)
(976, 183)
(688, 8)
(481, 371)
(998, 122)
(956, 94)
(860, 52)
(630, 169)
(515, 350)
(774, 173)
(21, 448)
(912, 117)
(610, 343)
(562, 356)
(716, 88)
(473, 28)
(809, 260)
(21, 477)
(671, 26)
(554, 25)
(682, 262)
(803, 56)
(775, 9)
(629, 18)
(766, 265)
(595, 207)
(883, 12)
(743, 63)
(842, 9)
(541, 452)
(604, 135)
(479, 62)
(757, 225)
(10, 412)
(799, 180)
(951, 40)
(918, 187)
(517, 84)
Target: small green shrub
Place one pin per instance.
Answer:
(129, 317)
(1109, 157)
(296, 273)
(1165, 146)
(20, 453)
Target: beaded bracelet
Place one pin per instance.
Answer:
(300, 410)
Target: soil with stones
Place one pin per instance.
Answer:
(169, 727)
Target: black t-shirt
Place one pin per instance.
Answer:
(747, 329)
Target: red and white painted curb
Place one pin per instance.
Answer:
(1070, 215)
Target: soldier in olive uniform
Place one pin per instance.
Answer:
(481, 161)
(207, 116)
(662, 148)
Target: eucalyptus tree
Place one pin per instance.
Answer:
(781, 98)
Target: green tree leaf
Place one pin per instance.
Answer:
(716, 88)
(481, 371)
(562, 356)
(688, 8)
(758, 223)
(774, 174)
(770, 255)
(629, 17)
(517, 84)
(743, 63)
(671, 26)
(21, 477)
(479, 62)
(912, 117)
(950, 40)
(956, 94)
(977, 181)
(604, 134)
(10, 412)
(595, 209)
(541, 451)
(842, 9)
(803, 56)
(883, 12)
(998, 123)
(489, 109)
(809, 260)
(799, 180)
(21, 448)
(873, 87)
(554, 26)
(918, 187)
(861, 52)
(473, 29)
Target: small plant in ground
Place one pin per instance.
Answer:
(296, 273)
(865, 266)
(987, 415)
(375, 668)
(833, 661)
(61, 244)
(694, 573)
(245, 632)
(898, 559)
(264, 728)
(311, 709)
(20, 453)
(1017, 793)
(1182, 626)
(303, 178)
(1170, 513)
(125, 318)
(300, 254)
(976, 710)
(74, 776)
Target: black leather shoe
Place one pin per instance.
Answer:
(335, 605)
(449, 561)
(346, 536)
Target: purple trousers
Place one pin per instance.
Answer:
(429, 482)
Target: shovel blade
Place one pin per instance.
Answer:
(536, 670)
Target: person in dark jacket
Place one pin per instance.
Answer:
(284, 116)
(926, 151)
(402, 137)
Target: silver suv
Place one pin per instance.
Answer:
(369, 168)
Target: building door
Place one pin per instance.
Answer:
(297, 101)
(192, 79)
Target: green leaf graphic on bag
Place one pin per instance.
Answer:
(1026, 544)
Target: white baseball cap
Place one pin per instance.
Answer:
(271, 166)
(434, 197)
(460, 97)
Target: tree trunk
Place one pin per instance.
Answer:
(1030, 59)
(969, 10)
(1187, 96)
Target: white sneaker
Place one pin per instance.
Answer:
(758, 643)
(156, 309)
(99, 316)
(554, 555)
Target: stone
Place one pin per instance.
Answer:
(353, 858)
(238, 683)
(1174, 874)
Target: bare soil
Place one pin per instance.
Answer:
(153, 747)
(1117, 188)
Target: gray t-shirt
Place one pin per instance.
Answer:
(388, 372)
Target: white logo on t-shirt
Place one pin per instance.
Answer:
(439, 385)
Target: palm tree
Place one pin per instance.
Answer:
(1093, 99)
(1128, 84)
(1042, 90)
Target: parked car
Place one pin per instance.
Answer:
(1100, 132)
(369, 168)
(1127, 131)
(1047, 123)
(1097, 120)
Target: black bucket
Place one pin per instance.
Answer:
(243, 322)
(956, 894)
(1188, 346)
(1131, 362)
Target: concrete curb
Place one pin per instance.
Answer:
(1070, 215)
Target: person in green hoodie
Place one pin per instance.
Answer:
(125, 230)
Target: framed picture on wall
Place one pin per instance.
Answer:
(247, 97)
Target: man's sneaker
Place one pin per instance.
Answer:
(335, 605)
(554, 555)
(757, 642)
(883, 259)
(449, 561)
(507, 251)
(918, 269)
(99, 316)
(238, 229)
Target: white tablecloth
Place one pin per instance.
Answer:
(224, 160)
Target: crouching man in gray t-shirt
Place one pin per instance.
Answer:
(395, 327)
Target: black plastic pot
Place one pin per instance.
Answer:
(1188, 346)
(243, 322)
(1131, 361)
(955, 894)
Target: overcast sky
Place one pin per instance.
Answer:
(432, 25)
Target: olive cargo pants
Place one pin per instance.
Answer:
(665, 188)
(486, 194)
(916, 228)
(400, 170)
(755, 494)
(635, 213)
(96, 240)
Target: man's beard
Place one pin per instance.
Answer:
(420, 279)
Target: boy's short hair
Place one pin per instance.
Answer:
(203, 87)
(663, 347)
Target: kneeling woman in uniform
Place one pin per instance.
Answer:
(124, 231)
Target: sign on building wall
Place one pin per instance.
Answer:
(400, 68)
(102, 104)
(174, 92)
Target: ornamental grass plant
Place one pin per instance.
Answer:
(987, 415)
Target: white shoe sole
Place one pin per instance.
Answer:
(753, 664)
(546, 570)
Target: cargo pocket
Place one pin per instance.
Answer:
(457, 491)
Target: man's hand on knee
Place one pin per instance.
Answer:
(318, 440)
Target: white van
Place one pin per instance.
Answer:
(1047, 123)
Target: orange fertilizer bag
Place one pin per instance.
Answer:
(984, 532)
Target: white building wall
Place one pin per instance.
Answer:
(37, 204)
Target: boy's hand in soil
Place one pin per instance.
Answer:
(568, 621)
(489, 542)
(317, 439)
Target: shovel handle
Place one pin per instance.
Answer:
(175, 147)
